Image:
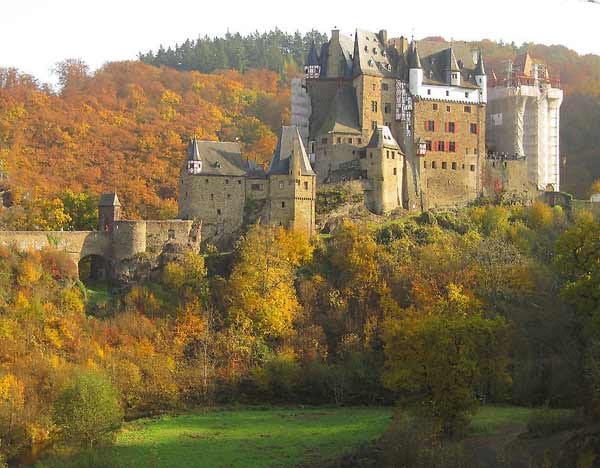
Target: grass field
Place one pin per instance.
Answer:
(244, 438)
(254, 437)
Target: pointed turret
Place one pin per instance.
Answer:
(414, 61)
(313, 57)
(415, 73)
(194, 162)
(312, 69)
(109, 211)
(451, 68)
(479, 69)
(453, 62)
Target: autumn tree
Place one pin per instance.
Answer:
(262, 294)
(440, 359)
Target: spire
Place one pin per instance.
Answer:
(313, 57)
(193, 151)
(479, 69)
(453, 64)
(414, 61)
(109, 199)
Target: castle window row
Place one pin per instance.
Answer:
(449, 127)
(453, 165)
(435, 106)
(226, 181)
(340, 140)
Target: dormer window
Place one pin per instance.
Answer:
(374, 51)
(366, 48)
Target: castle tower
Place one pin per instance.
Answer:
(415, 73)
(384, 164)
(481, 77)
(292, 184)
(109, 211)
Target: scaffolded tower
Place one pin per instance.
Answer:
(523, 119)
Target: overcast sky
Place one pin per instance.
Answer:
(35, 34)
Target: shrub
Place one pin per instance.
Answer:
(88, 411)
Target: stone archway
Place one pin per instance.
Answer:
(93, 269)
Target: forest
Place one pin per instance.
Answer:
(439, 313)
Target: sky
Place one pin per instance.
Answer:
(35, 34)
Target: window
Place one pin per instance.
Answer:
(447, 93)
(374, 124)
(311, 147)
(384, 86)
(448, 109)
(428, 145)
(433, 165)
(463, 167)
(474, 128)
(450, 127)
(467, 95)
(395, 171)
(393, 155)
(171, 234)
(441, 146)
(212, 196)
(468, 109)
(435, 107)
(387, 108)
(323, 141)
(430, 125)
(360, 141)
(387, 154)
(218, 212)
(374, 105)
(280, 185)
(349, 141)
(472, 167)
(444, 165)
(467, 150)
(240, 182)
(282, 204)
(371, 155)
(228, 196)
(226, 181)
(206, 180)
(429, 92)
(424, 164)
(388, 125)
(453, 166)
(256, 187)
(374, 86)
(339, 140)
(305, 185)
(452, 147)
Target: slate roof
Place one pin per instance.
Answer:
(109, 199)
(435, 67)
(290, 150)
(342, 116)
(223, 159)
(414, 60)
(382, 138)
(313, 58)
(370, 55)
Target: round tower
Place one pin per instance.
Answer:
(415, 73)
(481, 77)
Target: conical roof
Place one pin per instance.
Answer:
(479, 69)
(451, 63)
(414, 61)
(193, 150)
(313, 57)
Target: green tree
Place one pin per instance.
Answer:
(82, 208)
(440, 359)
(88, 411)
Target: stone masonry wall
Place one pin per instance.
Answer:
(450, 178)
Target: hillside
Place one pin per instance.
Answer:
(127, 127)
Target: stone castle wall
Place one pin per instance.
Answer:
(509, 176)
(450, 178)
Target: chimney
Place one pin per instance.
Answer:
(335, 34)
(383, 36)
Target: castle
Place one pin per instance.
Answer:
(225, 191)
(431, 105)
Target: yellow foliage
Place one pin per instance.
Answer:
(29, 273)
